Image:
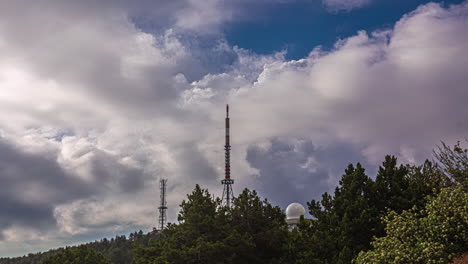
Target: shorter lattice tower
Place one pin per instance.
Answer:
(227, 182)
(163, 205)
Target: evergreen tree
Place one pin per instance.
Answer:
(424, 182)
(76, 255)
(391, 186)
(252, 231)
(355, 209)
(197, 239)
(345, 223)
(262, 226)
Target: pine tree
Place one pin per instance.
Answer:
(76, 255)
(198, 238)
(262, 226)
(391, 185)
(345, 222)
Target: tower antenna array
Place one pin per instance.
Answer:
(163, 205)
(227, 181)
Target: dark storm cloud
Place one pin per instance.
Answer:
(196, 167)
(31, 186)
(108, 171)
(25, 213)
(293, 170)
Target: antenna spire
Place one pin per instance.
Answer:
(227, 181)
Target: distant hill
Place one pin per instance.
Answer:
(118, 250)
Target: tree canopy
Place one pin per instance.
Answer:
(77, 255)
(252, 231)
(345, 223)
(433, 235)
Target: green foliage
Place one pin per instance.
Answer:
(77, 255)
(262, 227)
(252, 231)
(454, 162)
(346, 222)
(434, 235)
(423, 182)
(197, 239)
(355, 211)
(392, 186)
(118, 250)
(400, 188)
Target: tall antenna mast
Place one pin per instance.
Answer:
(163, 206)
(227, 181)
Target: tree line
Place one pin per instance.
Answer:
(118, 250)
(408, 214)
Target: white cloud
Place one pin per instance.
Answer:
(200, 14)
(117, 216)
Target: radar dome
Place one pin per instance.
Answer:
(294, 212)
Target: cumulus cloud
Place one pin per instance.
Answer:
(94, 111)
(32, 186)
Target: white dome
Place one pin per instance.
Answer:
(294, 211)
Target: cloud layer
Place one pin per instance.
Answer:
(94, 110)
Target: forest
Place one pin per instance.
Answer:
(405, 214)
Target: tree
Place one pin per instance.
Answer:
(252, 231)
(434, 235)
(352, 219)
(76, 255)
(399, 188)
(345, 222)
(454, 162)
(198, 238)
(391, 186)
(424, 181)
(261, 228)
(356, 212)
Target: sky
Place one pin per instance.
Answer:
(99, 100)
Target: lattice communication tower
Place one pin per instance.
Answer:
(163, 205)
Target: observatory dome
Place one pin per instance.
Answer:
(294, 212)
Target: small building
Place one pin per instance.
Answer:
(294, 212)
